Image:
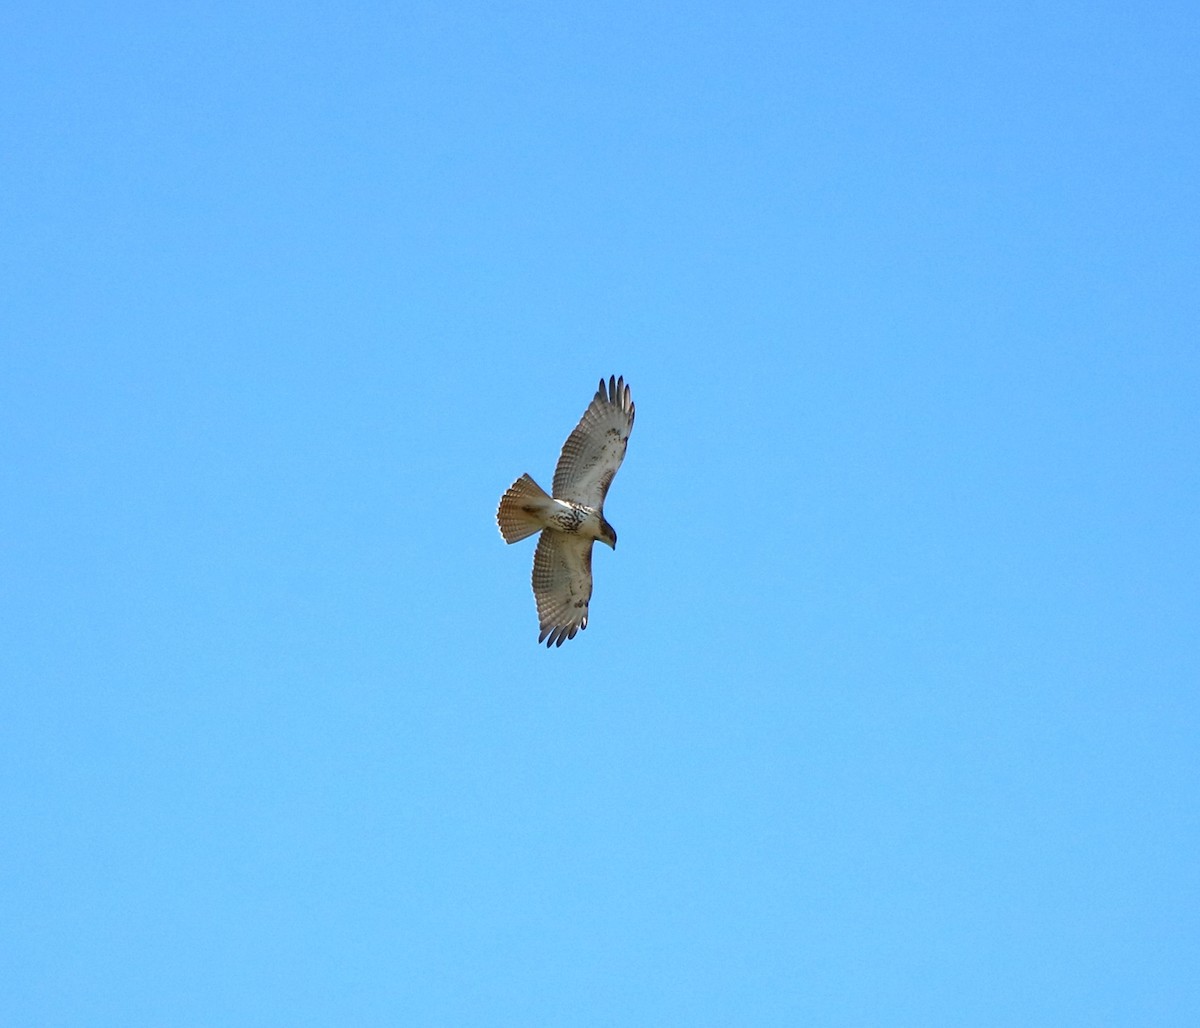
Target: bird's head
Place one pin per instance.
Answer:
(608, 534)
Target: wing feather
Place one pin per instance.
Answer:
(594, 451)
(562, 585)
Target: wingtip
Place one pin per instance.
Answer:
(615, 391)
(556, 635)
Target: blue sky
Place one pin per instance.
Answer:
(887, 712)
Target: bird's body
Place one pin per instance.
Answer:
(575, 517)
(572, 519)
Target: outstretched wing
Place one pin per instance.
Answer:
(594, 451)
(562, 585)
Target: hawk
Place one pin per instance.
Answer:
(573, 518)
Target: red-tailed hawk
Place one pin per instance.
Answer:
(573, 518)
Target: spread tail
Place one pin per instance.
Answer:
(521, 507)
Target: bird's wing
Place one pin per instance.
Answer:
(594, 451)
(562, 585)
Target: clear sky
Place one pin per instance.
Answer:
(888, 710)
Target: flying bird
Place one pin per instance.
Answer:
(573, 518)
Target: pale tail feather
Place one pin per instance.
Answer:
(521, 507)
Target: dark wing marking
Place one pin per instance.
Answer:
(562, 585)
(593, 452)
